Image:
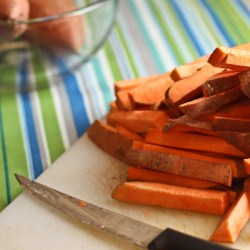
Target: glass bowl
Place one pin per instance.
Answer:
(52, 45)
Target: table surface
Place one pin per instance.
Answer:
(149, 37)
(86, 172)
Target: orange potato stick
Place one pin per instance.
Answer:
(150, 93)
(186, 89)
(138, 121)
(233, 124)
(220, 82)
(233, 221)
(109, 140)
(192, 141)
(128, 134)
(244, 79)
(206, 105)
(178, 162)
(239, 140)
(168, 196)
(246, 185)
(123, 101)
(186, 70)
(246, 163)
(143, 174)
(234, 58)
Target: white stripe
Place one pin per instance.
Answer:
(55, 84)
(98, 98)
(131, 44)
(158, 39)
(38, 122)
(174, 31)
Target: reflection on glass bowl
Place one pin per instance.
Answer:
(52, 45)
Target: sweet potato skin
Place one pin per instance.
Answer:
(62, 34)
(13, 10)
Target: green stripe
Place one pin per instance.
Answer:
(52, 129)
(232, 20)
(14, 144)
(17, 162)
(129, 54)
(114, 66)
(179, 28)
(212, 31)
(3, 190)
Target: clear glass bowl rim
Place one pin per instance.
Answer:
(77, 12)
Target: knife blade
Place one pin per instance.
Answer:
(140, 233)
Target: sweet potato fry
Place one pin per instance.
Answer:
(206, 105)
(246, 163)
(191, 141)
(234, 220)
(143, 174)
(179, 162)
(186, 70)
(168, 196)
(186, 89)
(238, 139)
(138, 121)
(220, 82)
(244, 79)
(233, 124)
(128, 134)
(109, 140)
(233, 58)
(150, 93)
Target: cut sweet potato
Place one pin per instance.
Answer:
(233, 124)
(183, 163)
(206, 105)
(168, 196)
(191, 141)
(238, 139)
(109, 140)
(143, 174)
(234, 58)
(128, 134)
(150, 93)
(244, 79)
(234, 220)
(220, 82)
(186, 89)
(246, 163)
(138, 121)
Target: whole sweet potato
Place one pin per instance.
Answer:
(11, 11)
(64, 33)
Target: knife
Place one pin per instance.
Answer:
(138, 232)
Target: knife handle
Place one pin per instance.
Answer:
(171, 239)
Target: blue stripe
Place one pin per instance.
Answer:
(30, 125)
(78, 109)
(108, 93)
(218, 23)
(188, 29)
(154, 53)
(243, 8)
(5, 160)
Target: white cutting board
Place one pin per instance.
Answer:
(86, 172)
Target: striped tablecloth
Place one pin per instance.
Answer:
(149, 37)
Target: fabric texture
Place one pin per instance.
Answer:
(149, 37)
